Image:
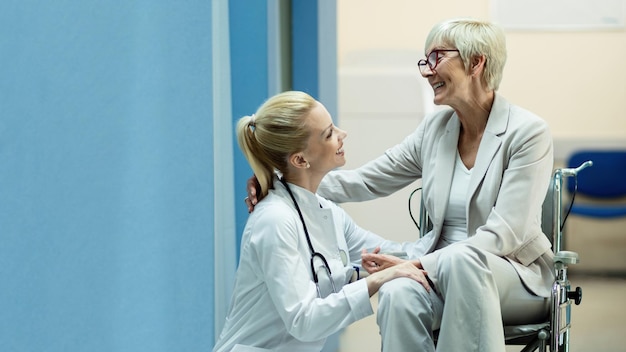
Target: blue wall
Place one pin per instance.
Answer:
(108, 190)
(106, 176)
(304, 49)
(250, 87)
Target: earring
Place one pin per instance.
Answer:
(308, 165)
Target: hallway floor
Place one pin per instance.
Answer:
(598, 323)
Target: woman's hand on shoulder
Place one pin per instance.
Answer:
(252, 188)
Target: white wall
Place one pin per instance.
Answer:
(575, 80)
(382, 99)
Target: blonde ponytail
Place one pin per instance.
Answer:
(274, 132)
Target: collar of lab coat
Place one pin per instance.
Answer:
(319, 221)
(305, 198)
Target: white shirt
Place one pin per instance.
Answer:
(275, 303)
(455, 219)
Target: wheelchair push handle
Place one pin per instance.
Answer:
(568, 172)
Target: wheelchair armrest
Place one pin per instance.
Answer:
(566, 257)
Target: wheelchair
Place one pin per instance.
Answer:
(554, 333)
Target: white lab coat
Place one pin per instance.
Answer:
(275, 303)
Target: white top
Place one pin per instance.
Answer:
(275, 305)
(455, 219)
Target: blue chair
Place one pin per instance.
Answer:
(603, 184)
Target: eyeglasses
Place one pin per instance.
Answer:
(432, 60)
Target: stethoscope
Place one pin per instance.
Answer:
(314, 254)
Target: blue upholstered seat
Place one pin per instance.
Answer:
(603, 184)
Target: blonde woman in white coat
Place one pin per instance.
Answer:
(485, 166)
(284, 298)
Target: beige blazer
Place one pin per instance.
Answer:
(508, 185)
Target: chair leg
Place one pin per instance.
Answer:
(533, 346)
(540, 343)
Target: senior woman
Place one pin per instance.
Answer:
(485, 166)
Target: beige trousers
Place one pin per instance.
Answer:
(476, 292)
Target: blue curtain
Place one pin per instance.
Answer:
(106, 176)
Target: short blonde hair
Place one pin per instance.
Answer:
(473, 38)
(277, 130)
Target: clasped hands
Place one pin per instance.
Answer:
(375, 261)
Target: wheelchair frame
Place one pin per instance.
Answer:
(554, 333)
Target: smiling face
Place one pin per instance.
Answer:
(324, 150)
(475, 40)
(449, 79)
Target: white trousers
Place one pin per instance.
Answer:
(476, 292)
